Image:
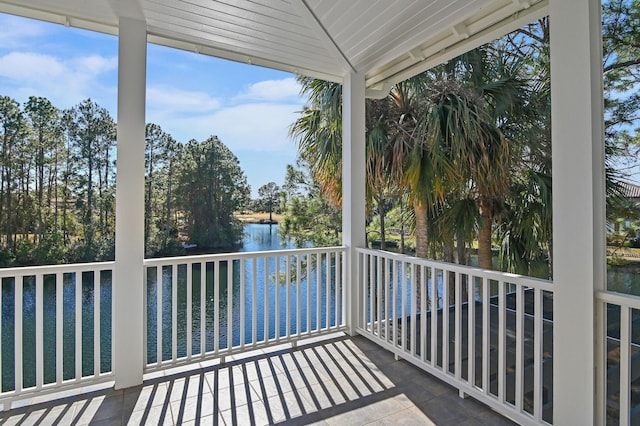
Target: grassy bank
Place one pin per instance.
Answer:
(257, 217)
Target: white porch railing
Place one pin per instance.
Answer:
(618, 353)
(487, 333)
(203, 307)
(55, 329)
(55, 321)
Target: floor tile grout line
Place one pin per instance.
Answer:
(292, 370)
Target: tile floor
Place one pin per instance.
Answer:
(340, 381)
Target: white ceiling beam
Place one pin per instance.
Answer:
(314, 23)
(379, 91)
(62, 17)
(524, 4)
(447, 47)
(461, 30)
(193, 46)
(128, 9)
(417, 54)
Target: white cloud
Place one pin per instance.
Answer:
(95, 64)
(18, 32)
(257, 119)
(258, 127)
(39, 67)
(30, 67)
(64, 81)
(181, 101)
(271, 90)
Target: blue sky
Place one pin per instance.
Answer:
(190, 96)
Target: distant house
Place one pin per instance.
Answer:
(632, 193)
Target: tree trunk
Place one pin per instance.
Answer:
(461, 250)
(422, 242)
(65, 195)
(167, 229)
(40, 185)
(422, 246)
(100, 200)
(2, 180)
(485, 259)
(9, 229)
(106, 203)
(382, 214)
(401, 226)
(550, 260)
(148, 204)
(52, 190)
(448, 252)
(88, 218)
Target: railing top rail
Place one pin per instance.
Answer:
(622, 299)
(101, 266)
(508, 277)
(239, 255)
(54, 269)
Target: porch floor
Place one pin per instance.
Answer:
(334, 381)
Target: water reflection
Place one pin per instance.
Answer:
(316, 304)
(624, 279)
(270, 294)
(73, 327)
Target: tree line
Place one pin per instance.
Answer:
(57, 187)
(192, 191)
(459, 157)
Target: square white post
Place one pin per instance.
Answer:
(578, 203)
(128, 283)
(353, 187)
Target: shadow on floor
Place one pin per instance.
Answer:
(337, 381)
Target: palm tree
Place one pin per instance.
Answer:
(445, 144)
(471, 98)
(319, 135)
(379, 185)
(439, 135)
(415, 162)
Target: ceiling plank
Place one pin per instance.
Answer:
(235, 40)
(70, 17)
(225, 26)
(389, 40)
(448, 46)
(424, 23)
(170, 40)
(316, 26)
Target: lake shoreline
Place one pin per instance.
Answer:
(256, 221)
(258, 218)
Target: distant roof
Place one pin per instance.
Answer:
(630, 190)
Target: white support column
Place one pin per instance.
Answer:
(578, 203)
(128, 309)
(353, 186)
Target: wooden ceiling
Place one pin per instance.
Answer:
(388, 40)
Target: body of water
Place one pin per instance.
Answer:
(257, 237)
(624, 279)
